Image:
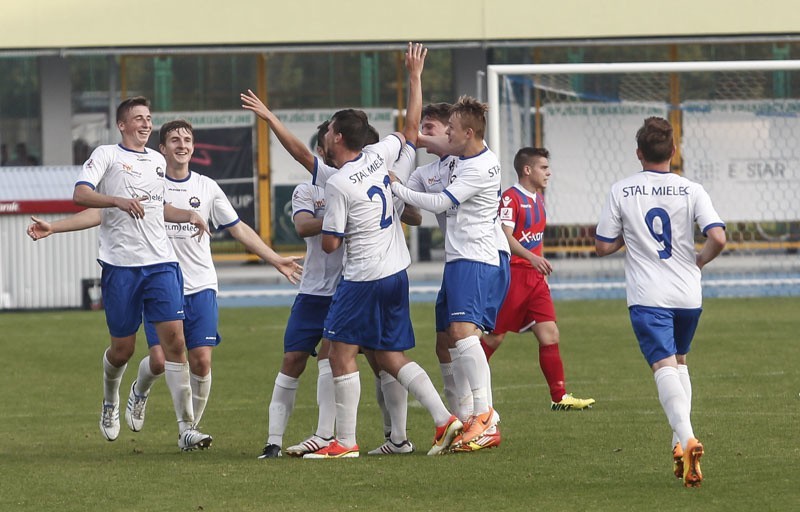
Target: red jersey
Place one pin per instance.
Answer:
(524, 211)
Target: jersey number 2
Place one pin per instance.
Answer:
(665, 237)
(376, 190)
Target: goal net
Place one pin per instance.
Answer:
(737, 129)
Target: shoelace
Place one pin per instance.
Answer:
(108, 415)
(138, 405)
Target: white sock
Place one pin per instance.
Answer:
(112, 377)
(347, 389)
(177, 377)
(325, 400)
(464, 407)
(414, 378)
(673, 401)
(281, 406)
(201, 389)
(145, 378)
(387, 418)
(449, 386)
(396, 398)
(686, 382)
(473, 361)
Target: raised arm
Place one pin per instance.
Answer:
(415, 61)
(287, 266)
(88, 218)
(288, 140)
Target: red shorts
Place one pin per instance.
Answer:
(528, 301)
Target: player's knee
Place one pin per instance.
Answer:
(294, 363)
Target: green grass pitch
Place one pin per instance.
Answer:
(746, 376)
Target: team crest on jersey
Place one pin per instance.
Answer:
(194, 202)
(505, 213)
(160, 172)
(506, 200)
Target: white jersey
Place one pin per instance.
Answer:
(202, 195)
(432, 179)
(655, 213)
(116, 171)
(360, 209)
(322, 173)
(321, 271)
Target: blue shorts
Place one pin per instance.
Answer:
(470, 293)
(372, 314)
(200, 324)
(129, 292)
(306, 322)
(664, 332)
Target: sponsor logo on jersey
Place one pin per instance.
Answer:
(506, 213)
(194, 202)
(435, 180)
(160, 172)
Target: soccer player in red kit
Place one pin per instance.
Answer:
(528, 305)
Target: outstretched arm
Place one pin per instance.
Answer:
(39, 228)
(288, 140)
(415, 61)
(287, 266)
(85, 195)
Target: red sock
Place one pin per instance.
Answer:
(487, 349)
(553, 370)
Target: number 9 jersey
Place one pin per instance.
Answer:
(655, 213)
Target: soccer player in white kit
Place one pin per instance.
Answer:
(474, 270)
(201, 194)
(140, 271)
(652, 214)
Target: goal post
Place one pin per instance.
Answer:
(737, 129)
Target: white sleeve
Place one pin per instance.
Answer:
(436, 203)
(405, 163)
(335, 220)
(322, 173)
(609, 228)
(468, 183)
(302, 199)
(415, 181)
(704, 213)
(95, 168)
(223, 214)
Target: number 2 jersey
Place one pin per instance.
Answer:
(655, 213)
(360, 208)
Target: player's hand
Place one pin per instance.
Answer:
(133, 206)
(541, 264)
(415, 58)
(251, 102)
(198, 222)
(289, 267)
(39, 229)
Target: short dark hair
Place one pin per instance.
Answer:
(472, 113)
(526, 155)
(438, 111)
(171, 126)
(127, 105)
(372, 136)
(352, 125)
(654, 140)
(322, 129)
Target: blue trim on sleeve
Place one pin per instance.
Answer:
(226, 226)
(605, 239)
(90, 185)
(302, 210)
(334, 233)
(412, 145)
(314, 172)
(715, 225)
(451, 196)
